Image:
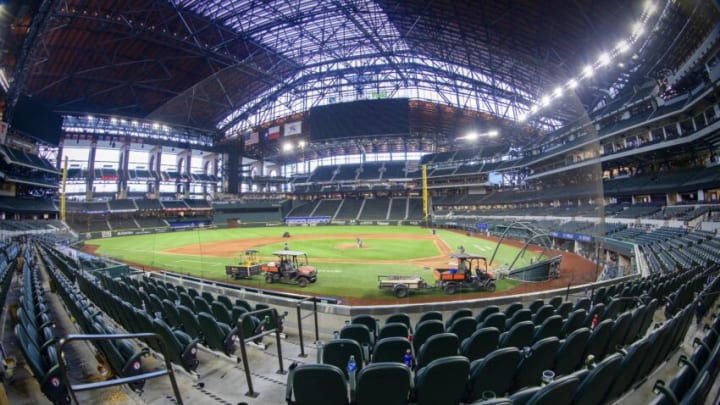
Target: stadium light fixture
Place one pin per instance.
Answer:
(572, 83)
(622, 46)
(301, 144)
(558, 92)
(587, 71)
(287, 147)
(545, 101)
(604, 59)
(473, 135)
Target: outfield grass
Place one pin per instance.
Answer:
(341, 271)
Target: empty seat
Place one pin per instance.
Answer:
(463, 327)
(190, 324)
(450, 373)
(370, 322)
(393, 329)
(457, 314)
(480, 343)
(543, 313)
(361, 334)
(429, 315)
(574, 321)
(520, 335)
(338, 351)
(383, 383)
(521, 315)
(597, 343)
(536, 305)
(564, 309)
(437, 346)
(596, 383)
(495, 320)
(487, 311)
(493, 374)
(391, 349)
(424, 330)
(181, 348)
(539, 358)
(552, 326)
(571, 351)
(316, 384)
(558, 392)
(399, 317)
(512, 308)
(217, 335)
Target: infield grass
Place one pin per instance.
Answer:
(343, 269)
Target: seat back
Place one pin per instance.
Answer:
(597, 343)
(317, 384)
(223, 299)
(187, 300)
(552, 326)
(171, 314)
(437, 346)
(391, 349)
(394, 329)
(495, 320)
(540, 358)
(521, 315)
(450, 373)
(214, 336)
(367, 320)
(556, 301)
(574, 321)
(520, 335)
(428, 316)
(338, 351)
(457, 314)
(593, 388)
(189, 322)
(359, 333)
(493, 374)
(512, 308)
(399, 317)
(482, 342)
(582, 303)
(570, 354)
(619, 330)
(535, 305)
(628, 370)
(485, 312)
(424, 330)
(202, 304)
(463, 327)
(558, 392)
(564, 309)
(543, 313)
(383, 383)
(221, 312)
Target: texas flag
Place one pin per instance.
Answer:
(272, 133)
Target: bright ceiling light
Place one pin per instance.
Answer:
(572, 83)
(587, 71)
(301, 144)
(558, 92)
(604, 59)
(637, 29)
(650, 7)
(522, 117)
(622, 46)
(534, 108)
(493, 133)
(471, 136)
(287, 147)
(545, 101)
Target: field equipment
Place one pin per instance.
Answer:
(291, 268)
(247, 268)
(454, 279)
(401, 285)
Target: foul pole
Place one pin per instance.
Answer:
(426, 211)
(62, 190)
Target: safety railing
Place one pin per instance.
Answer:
(122, 380)
(244, 339)
(300, 318)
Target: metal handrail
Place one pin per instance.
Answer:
(117, 381)
(243, 351)
(300, 318)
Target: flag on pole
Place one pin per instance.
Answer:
(293, 128)
(273, 133)
(251, 138)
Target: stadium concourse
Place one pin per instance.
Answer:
(572, 147)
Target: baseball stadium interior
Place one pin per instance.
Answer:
(360, 202)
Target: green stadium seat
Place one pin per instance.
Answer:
(450, 373)
(316, 384)
(596, 383)
(570, 354)
(520, 335)
(400, 317)
(457, 314)
(217, 335)
(487, 311)
(480, 343)
(493, 374)
(393, 329)
(551, 326)
(383, 384)
(437, 346)
(574, 321)
(190, 324)
(424, 330)
(463, 327)
(495, 320)
(540, 358)
(391, 349)
(338, 351)
(558, 392)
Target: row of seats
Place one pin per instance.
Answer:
(123, 359)
(217, 321)
(35, 334)
(6, 272)
(453, 379)
(692, 382)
